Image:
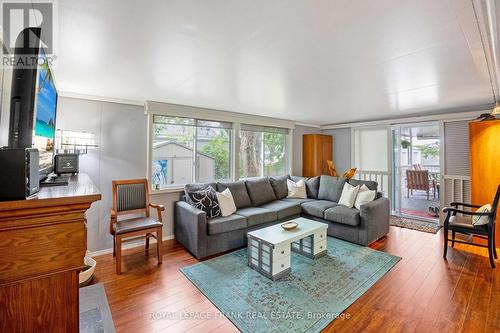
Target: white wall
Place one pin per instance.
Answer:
(121, 132)
(341, 148)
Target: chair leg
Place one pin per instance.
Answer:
(114, 247)
(147, 241)
(445, 231)
(159, 240)
(118, 255)
(452, 238)
(490, 252)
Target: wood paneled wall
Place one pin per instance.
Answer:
(485, 163)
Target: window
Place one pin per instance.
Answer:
(175, 140)
(263, 151)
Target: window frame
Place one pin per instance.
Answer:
(234, 138)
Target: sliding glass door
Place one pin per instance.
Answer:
(416, 170)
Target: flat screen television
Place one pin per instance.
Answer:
(45, 116)
(33, 103)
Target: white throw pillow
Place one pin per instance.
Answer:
(365, 195)
(226, 202)
(348, 196)
(296, 189)
(482, 220)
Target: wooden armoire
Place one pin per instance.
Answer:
(316, 150)
(484, 137)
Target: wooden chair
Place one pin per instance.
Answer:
(418, 180)
(463, 224)
(132, 197)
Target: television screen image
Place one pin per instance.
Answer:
(45, 117)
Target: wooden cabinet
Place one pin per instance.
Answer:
(42, 247)
(484, 137)
(316, 150)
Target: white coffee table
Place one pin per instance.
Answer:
(269, 249)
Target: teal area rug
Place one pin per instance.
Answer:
(315, 293)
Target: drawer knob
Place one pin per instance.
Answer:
(321, 247)
(320, 236)
(283, 252)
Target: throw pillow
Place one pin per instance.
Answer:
(348, 196)
(330, 188)
(279, 186)
(226, 202)
(297, 189)
(206, 200)
(481, 220)
(365, 195)
(260, 191)
(349, 173)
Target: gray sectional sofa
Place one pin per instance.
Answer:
(261, 202)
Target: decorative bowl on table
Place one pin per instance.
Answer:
(289, 225)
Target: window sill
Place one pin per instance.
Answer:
(167, 190)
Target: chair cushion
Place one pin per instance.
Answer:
(465, 222)
(342, 214)
(260, 191)
(135, 224)
(317, 207)
(297, 200)
(312, 185)
(283, 208)
(279, 186)
(239, 192)
(224, 224)
(372, 185)
(330, 188)
(257, 215)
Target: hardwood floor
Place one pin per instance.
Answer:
(422, 293)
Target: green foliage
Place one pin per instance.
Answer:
(218, 149)
(274, 159)
(428, 150)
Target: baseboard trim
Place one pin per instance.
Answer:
(126, 246)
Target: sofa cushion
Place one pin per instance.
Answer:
(279, 186)
(330, 188)
(257, 215)
(239, 192)
(372, 185)
(298, 200)
(317, 207)
(342, 214)
(223, 224)
(312, 185)
(260, 191)
(283, 208)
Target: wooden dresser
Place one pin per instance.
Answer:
(42, 247)
(316, 150)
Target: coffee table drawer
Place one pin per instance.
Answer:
(281, 250)
(320, 236)
(319, 247)
(281, 265)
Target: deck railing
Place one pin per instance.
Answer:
(383, 178)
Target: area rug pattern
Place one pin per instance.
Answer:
(315, 293)
(403, 222)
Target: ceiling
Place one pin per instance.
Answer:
(312, 61)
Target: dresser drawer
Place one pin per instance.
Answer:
(319, 247)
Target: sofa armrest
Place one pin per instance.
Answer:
(375, 219)
(190, 228)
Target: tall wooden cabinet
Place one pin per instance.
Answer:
(42, 247)
(316, 150)
(484, 137)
